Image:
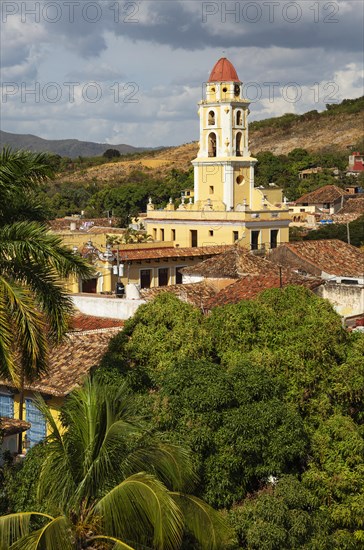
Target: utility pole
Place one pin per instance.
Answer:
(118, 264)
(348, 232)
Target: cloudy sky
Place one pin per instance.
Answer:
(133, 72)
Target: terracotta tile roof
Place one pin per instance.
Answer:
(197, 294)
(169, 252)
(71, 362)
(12, 426)
(81, 322)
(231, 264)
(331, 256)
(250, 286)
(327, 193)
(353, 206)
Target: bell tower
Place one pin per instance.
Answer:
(224, 168)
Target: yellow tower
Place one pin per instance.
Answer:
(224, 168)
(226, 207)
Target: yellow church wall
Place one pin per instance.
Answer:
(218, 231)
(241, 186)
(185, 215)
(76, 238)
(211, 178)
(274, 195)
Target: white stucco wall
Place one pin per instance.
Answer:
(111, 308)
(189, 279)
(347, 300)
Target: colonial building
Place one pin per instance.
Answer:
(226, 206)
(356, 164)
(328, 199)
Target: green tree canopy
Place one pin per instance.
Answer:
(105, 478)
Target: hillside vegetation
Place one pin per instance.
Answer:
(337, 128)
(122, 186)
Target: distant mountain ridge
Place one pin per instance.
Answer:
(72, 148)
(339, 126)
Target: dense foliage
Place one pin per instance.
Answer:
(286, 121)
(124, 198)
(284, 170)
(102, 476)
(268, 394)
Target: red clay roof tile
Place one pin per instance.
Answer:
(250, 286)
(325, 194)
(331, 256)
(168, 252)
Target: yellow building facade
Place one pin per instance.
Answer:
(226, 207)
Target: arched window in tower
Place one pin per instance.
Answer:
(238, 144)
(239, 118)
(211, 118)
(212, 144)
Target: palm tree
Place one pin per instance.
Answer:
(107, 482)
(34, 307)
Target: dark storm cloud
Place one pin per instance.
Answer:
(206, 24)
(81, 25)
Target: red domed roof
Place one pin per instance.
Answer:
(224, 71)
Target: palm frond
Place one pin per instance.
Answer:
(37, 260)
(8, 365)
(56, 483)
(14, 527)
(54, 535)
(170, 463)
(141, 505)
(28, 331)
(205, 523)
(118, 544)
(33, 240)
(101, 422)
(21, 170)
(84, 458)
